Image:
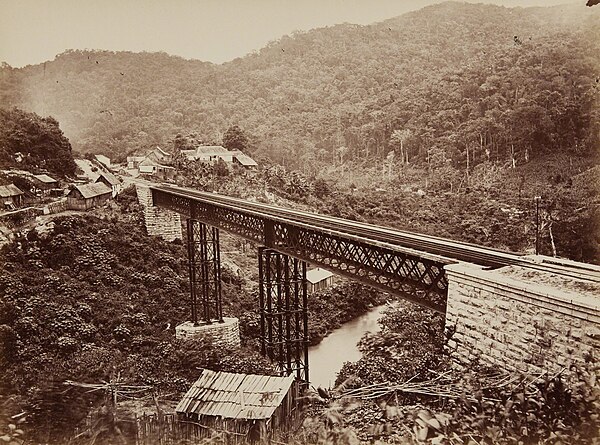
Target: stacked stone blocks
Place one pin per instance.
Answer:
(224, 335)
(506, 322)
(159, 222)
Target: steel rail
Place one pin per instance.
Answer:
(444, 247)
(354, 227)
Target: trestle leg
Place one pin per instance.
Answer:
(205, 272)
(283, 312)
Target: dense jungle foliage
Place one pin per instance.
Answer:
(34, 143)
(92, 298)
(451, 83)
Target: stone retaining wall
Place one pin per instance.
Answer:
(222, 335)
(159, 222)
(516, 323)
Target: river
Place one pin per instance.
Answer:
(326, 359)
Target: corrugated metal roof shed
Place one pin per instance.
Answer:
(316, 275)
(235, 396)
(9, 190)
(92, 190)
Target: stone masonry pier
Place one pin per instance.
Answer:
(522, 319)
(159, 222)
(225, 334)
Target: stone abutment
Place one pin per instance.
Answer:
(522, 319)
(158, 221)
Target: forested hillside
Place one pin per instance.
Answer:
(452, 82)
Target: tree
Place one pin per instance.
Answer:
(235, 139)
(397, 140)
(31, 142)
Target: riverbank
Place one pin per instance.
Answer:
(340, 346)
(330, 309)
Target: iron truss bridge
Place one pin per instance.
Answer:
(403, 263)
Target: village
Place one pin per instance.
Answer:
(25, 195)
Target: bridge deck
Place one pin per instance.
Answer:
(433, 248)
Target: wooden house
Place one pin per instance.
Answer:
(111, 181)
(11, 196)
(150, 166)
(318, 279)
(133, 162)
(44, 184)
(248, 408)
(83, 197)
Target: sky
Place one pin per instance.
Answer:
(34, 31)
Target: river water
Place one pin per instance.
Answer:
(326, 359)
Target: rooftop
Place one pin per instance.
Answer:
(162, 152)
(316, 275)
(9, 190)
(148, 161)
(110, 178)
(210, 149)
(245, 160)
(235, 396)
(103, 159)
(45, 178)
(93, 190)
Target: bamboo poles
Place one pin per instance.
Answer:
(442, 386)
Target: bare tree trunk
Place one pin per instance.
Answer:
(552, 239)
(401, 151)
(512, 155)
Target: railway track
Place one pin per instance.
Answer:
(460, 251)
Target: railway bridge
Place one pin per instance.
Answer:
(412, 266)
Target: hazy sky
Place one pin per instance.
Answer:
(33, 31)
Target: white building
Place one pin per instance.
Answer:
(212, 153)
(318, 279)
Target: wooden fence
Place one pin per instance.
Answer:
(170, 429)
(150, 430)
(56, 206)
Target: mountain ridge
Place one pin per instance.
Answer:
(313, 92)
